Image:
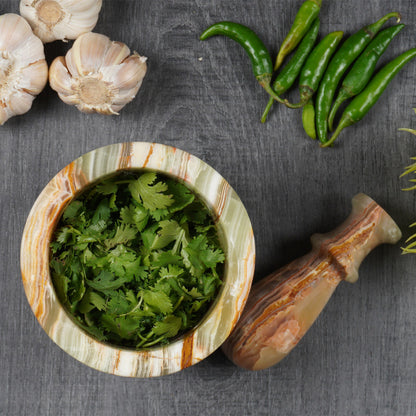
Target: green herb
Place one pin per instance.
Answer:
(136, 260)
(411, 241)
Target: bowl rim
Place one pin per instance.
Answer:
(232, 219)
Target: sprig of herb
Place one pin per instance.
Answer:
(136, 260)
(411, 169)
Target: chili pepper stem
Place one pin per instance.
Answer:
(300, 104)
(267, 109)
(388, 16)
(408, 130)
(288, 104)
(264, 81)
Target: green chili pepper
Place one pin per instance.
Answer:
(308, 119)
(315, 67)
(364, 67)
(306, 15)
(290, 72)
(341, 61)
(259, 56)
(363, 102)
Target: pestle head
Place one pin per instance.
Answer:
(367, 226)
(387, 231)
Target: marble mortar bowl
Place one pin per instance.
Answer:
(236, 236)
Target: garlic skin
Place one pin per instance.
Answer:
(60, 19)
(97, 75)
(23, 68)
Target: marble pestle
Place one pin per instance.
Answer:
(284, 305)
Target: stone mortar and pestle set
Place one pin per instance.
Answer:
(256, 328)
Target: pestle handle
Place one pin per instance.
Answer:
(282, 307)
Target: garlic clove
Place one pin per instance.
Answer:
(70, 63)
(118, 102)
(128, 74)
(33, 77)
(20, 103)
(89, 52)
(116, 54)
(97, 75)
(14, 31)
(17, 103)
(4, 116)
(28, 51)
(117, 108)
(76, 7)
(74, 28)
(23, 69)
(60, 78)
(60, 19)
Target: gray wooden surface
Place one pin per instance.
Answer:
(360, 356)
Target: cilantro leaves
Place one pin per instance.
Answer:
(136, 260)
(150, 194)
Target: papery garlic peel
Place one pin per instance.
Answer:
(23, 68)
(60, 19)
(97, 75)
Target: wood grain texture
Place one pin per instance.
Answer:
(359, 358)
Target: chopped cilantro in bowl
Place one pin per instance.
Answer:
(136, 260)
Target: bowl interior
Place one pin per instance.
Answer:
(219, 231)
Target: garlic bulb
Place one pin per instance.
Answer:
(97, 75)
(60, 19)
(23, 69)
